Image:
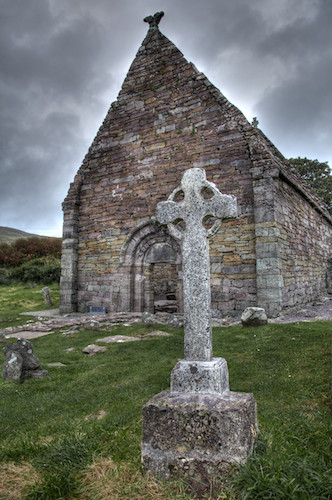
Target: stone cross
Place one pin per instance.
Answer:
(187, 221)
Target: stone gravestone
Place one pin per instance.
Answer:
(47, 296)
(199, 428)
(20, 362)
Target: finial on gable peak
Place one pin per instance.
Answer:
(154, 20)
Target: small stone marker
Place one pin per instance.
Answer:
(47, 296)
(199, 428)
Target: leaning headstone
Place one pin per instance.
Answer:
(47, 296)
(199, 428)
(20, 362)
(254, 316)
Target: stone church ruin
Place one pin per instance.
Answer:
(168, 117)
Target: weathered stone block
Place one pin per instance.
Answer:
(197, 435)
(254, 316)
(210, 377)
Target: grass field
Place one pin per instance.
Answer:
(17, 298)
(77, 433)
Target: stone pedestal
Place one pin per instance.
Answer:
(197, 435)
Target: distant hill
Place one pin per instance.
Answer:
(9, 235)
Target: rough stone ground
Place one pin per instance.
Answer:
(49, 320)
(319, 310)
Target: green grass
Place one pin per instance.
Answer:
(17, 298)
(51, 424)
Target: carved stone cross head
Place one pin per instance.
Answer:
(193, 204)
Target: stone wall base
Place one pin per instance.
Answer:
(197, 435)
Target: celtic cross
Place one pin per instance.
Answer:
(187, 221)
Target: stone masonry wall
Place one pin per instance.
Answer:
(305, 237)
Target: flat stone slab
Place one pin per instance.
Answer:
(124, 338)
(46, 313)
(117, 339)
(197, 435)
(56, 364)
(156, 333)
(27, 335)
(93, 349)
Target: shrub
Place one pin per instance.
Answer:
(38, 247)
(5, 276)
(26, 250)
(38, 271)
(9, 256)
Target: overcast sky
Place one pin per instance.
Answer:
(62, 63)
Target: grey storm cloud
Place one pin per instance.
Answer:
(62, 64)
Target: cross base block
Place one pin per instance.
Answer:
(197, 435)
(209, 377)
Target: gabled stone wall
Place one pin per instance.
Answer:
(168, 118)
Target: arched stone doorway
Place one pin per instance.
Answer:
(162, 284)
(152, 267)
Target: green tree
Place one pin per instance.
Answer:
(318, 175)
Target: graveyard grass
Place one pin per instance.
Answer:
(77, 433)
